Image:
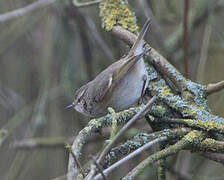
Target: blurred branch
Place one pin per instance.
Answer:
(75, 13)
(22, 11)
(196, 17)
(157, 30)
(10, 100)
(185, 38)
(40, 142)
(22, 116)
(204, 50)
(83, 4)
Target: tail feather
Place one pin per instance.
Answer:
(137, 47)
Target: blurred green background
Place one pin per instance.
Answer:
(47, 54)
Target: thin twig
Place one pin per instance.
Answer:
(99, 168)
(114, 123)
(185, 37)
(213, 88)
(139, 115)
(130, 156)
(22, 11)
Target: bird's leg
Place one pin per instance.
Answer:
(145, 83)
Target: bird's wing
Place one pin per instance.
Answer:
(109, 81)
(103, 88)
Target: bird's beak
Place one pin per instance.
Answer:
(70, 106)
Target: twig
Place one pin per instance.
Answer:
(22, 11)
(99, 168)
(140, 114)
(114, 123)
(130, 156)
(84, 4)
(185, 37)
(213, 88)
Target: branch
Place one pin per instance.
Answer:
(195, 123)
(185, 142)
(211, 145)
(139, 115)
(213, 88)
(139, 140)
(93, 126)
(130, 156)
(22, 11)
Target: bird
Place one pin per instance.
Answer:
(119, 86)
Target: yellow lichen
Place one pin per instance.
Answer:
(192, 136)
(115, 12)
(165, 93)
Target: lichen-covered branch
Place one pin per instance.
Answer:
(92, 127)
(211, 145)
(191, 139)
(138, 141)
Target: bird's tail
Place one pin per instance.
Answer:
(137, 47)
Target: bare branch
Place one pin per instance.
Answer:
(213, 88)
(99, 168)
(22, 11)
